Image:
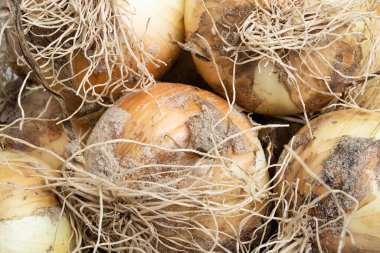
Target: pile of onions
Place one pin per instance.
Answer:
(99, 48)
(338, 180)
(31, 218)
(283, 56)
(188, 170)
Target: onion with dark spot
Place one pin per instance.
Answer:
(342, 168)
(194, 166)
(283, 57)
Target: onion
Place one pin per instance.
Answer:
(102, 47)
(37, 125)
(342, 169)
(291, 56)
(158, 148)
(30, 215)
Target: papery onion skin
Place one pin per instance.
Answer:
(9, 52)
(175, 116)
(263, 87)
(367, 96)
(30, 219)
(345, 154)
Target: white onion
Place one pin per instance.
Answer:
(30, 215)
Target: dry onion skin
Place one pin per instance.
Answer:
(31, 219)
(283, 56)
(183, 171)
(365, 96)
(99, 48)
(331, 183)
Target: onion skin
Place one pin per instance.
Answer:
(171, 114)
(30, 220)
(10, 50)
(263, 87)
(345, 154)
(44, 134)
(370, 98)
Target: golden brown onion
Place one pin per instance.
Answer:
(344, 154)
(100, 48)
(40, 127)
(285, 50)
(194, 201)
(158, 24)
(31, 219)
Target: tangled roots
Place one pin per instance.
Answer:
(276, 27)
(301, 224)
(154, 216)
(365, 95)
(80, 46)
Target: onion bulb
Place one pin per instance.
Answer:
(283, 57)
(37, 125)
(344, 172)
(100, 48)
(30, 215)
(196, 172)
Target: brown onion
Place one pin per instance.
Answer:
(291, 56)
(100, 48)
(342, 168)
(196, 198)
(37, 124)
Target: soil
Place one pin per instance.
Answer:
(347, 166)
(200, 127)
(102, 159)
